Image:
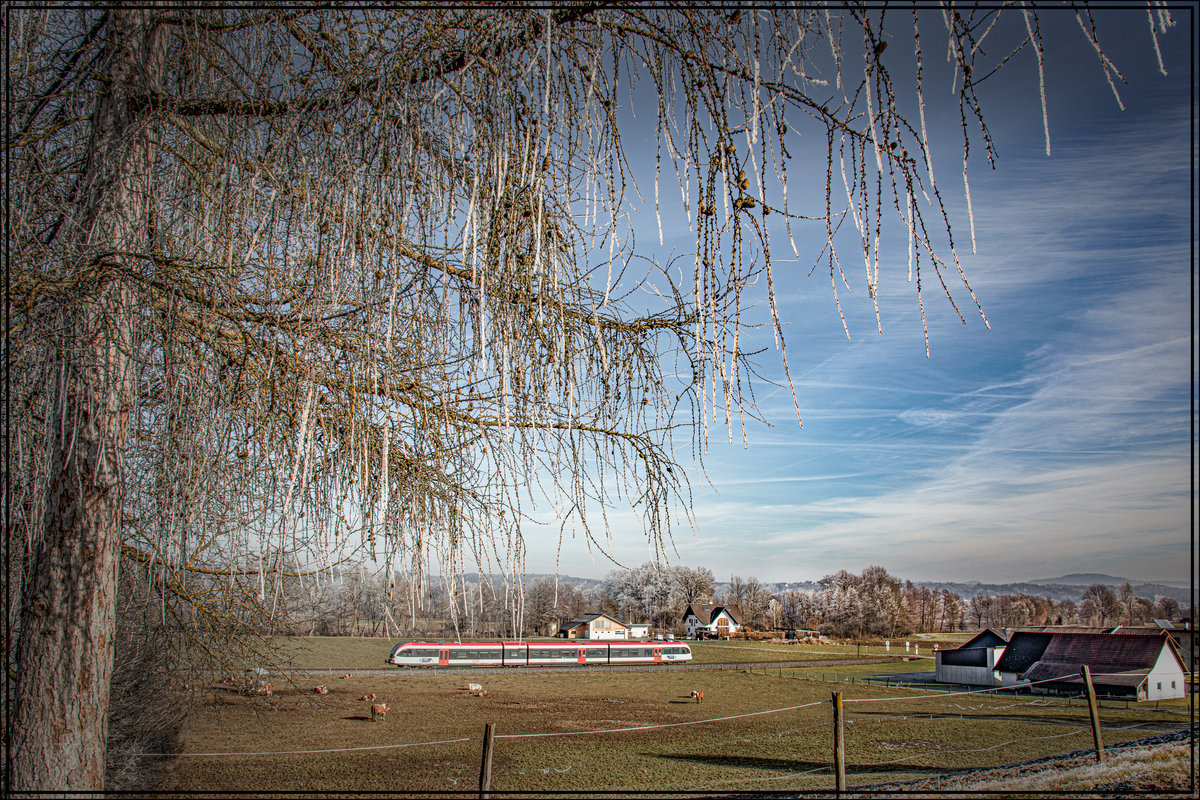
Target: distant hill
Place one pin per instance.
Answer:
(1088, 578)
(1059, 592)
(1082, 579)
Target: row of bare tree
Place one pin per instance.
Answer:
(872, 603)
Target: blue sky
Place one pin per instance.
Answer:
(1056, 441)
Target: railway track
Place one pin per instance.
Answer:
(689, 666)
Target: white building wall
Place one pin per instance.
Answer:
(1011, 679)
(975, 676)
(1165, 672)
(610, 633)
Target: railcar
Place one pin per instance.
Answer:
(523, 654)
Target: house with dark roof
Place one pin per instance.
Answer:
(594, 626)
(1134, 666)
(973, 662)
(704, 620)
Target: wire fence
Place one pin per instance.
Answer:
(590, 763)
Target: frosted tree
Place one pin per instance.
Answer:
(294, 285)
(692, 585)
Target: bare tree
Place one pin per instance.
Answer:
(301, 285)
(799, 609)
(1128, 599)
(1099, 605)
(951, 611)
(693, 585)
(1166, 607)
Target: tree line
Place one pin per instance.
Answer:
(872, 603)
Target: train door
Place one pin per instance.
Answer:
(443, 657)
(658, 655)
(581, 652)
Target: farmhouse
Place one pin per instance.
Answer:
(973, 662)
(1134, 666)
(707, 620)
(594, 626)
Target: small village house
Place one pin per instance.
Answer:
(594, 626)
(972, 663)
(707, 620)
(1133, 666)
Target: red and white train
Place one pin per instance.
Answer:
(524, 654)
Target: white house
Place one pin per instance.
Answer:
(972, 663)
(594, 626)
(707, 620)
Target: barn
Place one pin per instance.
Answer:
(1132, 666)
(972, 663)
(708, 620)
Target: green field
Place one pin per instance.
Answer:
(580, 731)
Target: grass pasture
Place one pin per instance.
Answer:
(562, 731)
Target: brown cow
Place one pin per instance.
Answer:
(320, 690)
(378, 710)
(698, 694)
(370, 697)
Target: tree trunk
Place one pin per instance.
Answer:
(65, 653)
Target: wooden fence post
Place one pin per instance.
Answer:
(485, 769)
(839, 746)
(1093, 712)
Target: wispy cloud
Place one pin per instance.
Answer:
(1057, 441)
